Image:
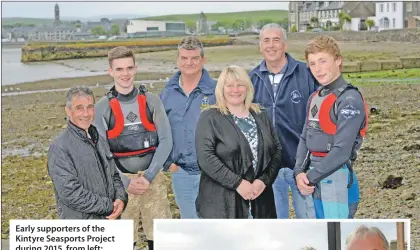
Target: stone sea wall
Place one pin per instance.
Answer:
(34, 52)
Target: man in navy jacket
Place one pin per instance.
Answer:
(283, 86)
(185, 95)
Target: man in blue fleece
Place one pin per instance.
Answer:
(283, 86)
(185, 95)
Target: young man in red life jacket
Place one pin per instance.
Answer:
(139, 135)
(333, 133)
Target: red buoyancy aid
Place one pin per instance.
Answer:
(327, 125)
(127, 140)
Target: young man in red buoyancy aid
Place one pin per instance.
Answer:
(333, 133)
(139, 135)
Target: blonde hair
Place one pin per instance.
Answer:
(323, 44)
(235, 73)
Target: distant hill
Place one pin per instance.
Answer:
(27, 21)
(275, 15)
(50, 21)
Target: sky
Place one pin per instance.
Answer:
(238, 235)
(255, 234)
(89, 9)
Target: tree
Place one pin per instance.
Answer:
(343, 18)
(263, 22)
(293, 29)
(105, 20)
(247, 23)
(114, 30)
(370, 23)
(285, 23)
(191, 26)
(237, 25)
(314, 22)
(98, 31)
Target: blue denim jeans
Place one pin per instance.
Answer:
(185, 188)
(281, 185)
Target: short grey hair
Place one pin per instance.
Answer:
(363, 231)
(191, 43)
(78, 91)
(307, 248)
(274, 26)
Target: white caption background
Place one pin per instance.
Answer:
(71, 234)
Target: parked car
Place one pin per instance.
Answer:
(317, 30)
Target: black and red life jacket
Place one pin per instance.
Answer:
(321, 120)
(135, 138)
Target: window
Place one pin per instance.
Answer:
(387, 7)
(381, 7)
(409, 7)
(152, 28)
(384, 23)
(394, 7)
(393, 22)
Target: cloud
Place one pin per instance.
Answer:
(239, 234)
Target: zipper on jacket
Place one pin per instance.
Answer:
(272, 100)
(188, 104)
(103, 172)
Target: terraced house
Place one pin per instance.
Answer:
(325, 14)
(397, 15)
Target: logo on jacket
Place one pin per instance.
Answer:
(133, 128)
(349, 111)
(204, 103)
(131, 117)
(295, 96)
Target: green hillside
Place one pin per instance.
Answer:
(27, 21)
(255, 16)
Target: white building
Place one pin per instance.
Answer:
(141, 26)
(389, 15)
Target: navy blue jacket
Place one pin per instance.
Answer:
(183, 112)
(288, 109)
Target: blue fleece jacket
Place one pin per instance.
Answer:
(183, 112)
(288, 109)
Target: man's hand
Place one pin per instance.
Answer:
(173, 168)
(138, 185)
(257, 188)
(245, 190)
(118, 208)
(303, 184)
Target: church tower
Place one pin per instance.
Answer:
(57, 15)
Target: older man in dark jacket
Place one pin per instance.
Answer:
(283, 86)
(86, 183)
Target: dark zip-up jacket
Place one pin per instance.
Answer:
(288, 110)
(86, 182)
(225, 158)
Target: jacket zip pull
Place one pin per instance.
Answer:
(274, 111)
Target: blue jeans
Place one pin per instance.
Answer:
(281, 185)
(185, 188)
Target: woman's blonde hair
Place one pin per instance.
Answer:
(235, 73)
